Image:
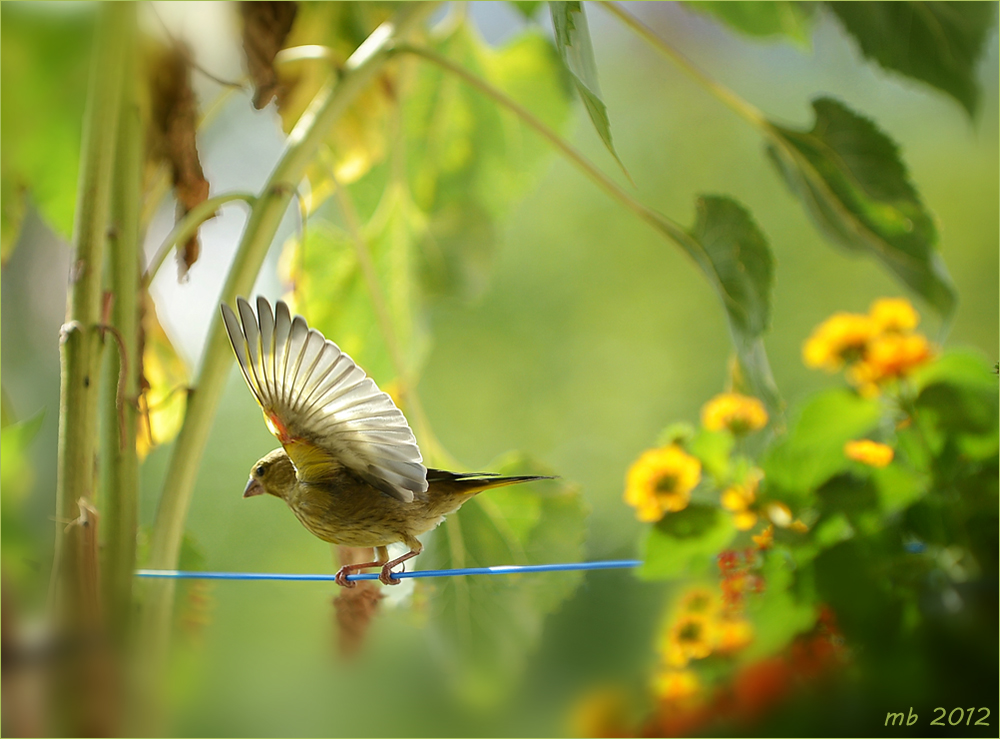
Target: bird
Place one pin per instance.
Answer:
(348, 466)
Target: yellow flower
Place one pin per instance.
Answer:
(869, 452)
(765, 539)
(699, 601)
(733, 635)
(661, 481)
(738, 413)
(601, 711)
(843, 337)
(893, 314)
(737, 498)
(675, 685)
(893, 355)
(798, 527)
(745, 520)
(689, 638)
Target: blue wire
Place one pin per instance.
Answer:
(500, 570)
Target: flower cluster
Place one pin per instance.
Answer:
(661, 481)
(868, 452)
(875, 348)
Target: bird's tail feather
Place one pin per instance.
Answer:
(474, 482)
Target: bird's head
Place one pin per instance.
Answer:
(273, 474)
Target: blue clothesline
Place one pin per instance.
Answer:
(500, 570)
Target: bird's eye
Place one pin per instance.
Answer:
(260, 471)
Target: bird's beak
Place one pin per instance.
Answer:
(253, 488)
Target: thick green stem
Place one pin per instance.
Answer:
(301, 148)
(120, 461)
(81, 344)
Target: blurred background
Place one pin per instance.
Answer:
(591, 335)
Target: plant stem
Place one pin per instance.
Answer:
(121, 463)
(80, 345)
(187, 226)
(300, 150)
(727, 96)
(657, 220)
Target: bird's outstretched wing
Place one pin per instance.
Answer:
(320, 404)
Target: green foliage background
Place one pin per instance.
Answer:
(568, 329)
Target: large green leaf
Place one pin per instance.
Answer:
(938, 43)
(331, 287)
(487, 624)
(852, 181)
(813, 451)
(762, 19)
(734, 254)
(686, 543)
(470, 160)
(43, 83)
(573, 42)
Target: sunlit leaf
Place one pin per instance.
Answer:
(855, 186)
(686, 543)
(527, 8)
(813, 450)
(357, 140)
(164, 382)
(731, 250)
(17, 475)
(939, 43)
(763, 19)
(486, 626)
(573, 42)
(331, 288)
(44, 63)
(468, 159)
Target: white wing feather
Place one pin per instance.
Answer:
(323, 398)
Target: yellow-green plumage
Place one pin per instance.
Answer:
(348, 466)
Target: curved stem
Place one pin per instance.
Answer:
(185, 228)
(659, 221)
(300, 151)
(727, 96)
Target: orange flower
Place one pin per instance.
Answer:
(869, 452)
(676, 685)
(734, 634)
(843, 337)
(892, 355)
(738, 413)
(661, 481)
(893, 314)
(765, 539)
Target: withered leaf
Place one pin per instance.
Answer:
(265, 27)
(174, 122)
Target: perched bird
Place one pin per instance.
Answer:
(349, 466)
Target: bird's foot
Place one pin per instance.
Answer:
(385, 576)
(341, 576)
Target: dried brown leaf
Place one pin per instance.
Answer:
(174, 122)
(265, 28)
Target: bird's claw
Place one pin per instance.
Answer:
(341, 577)
(386, 578)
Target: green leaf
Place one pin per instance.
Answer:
(958, 402)
(577, 52)
(331, 287)
(853, 183)
(777, 614)
(527, 8)
(714, 449)
(44, 61)
(469, 160)
(731, 250)
(487, 625)
(813, 451)
(938, 43)
(16, 473)
(685, 543)
(763, 19)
